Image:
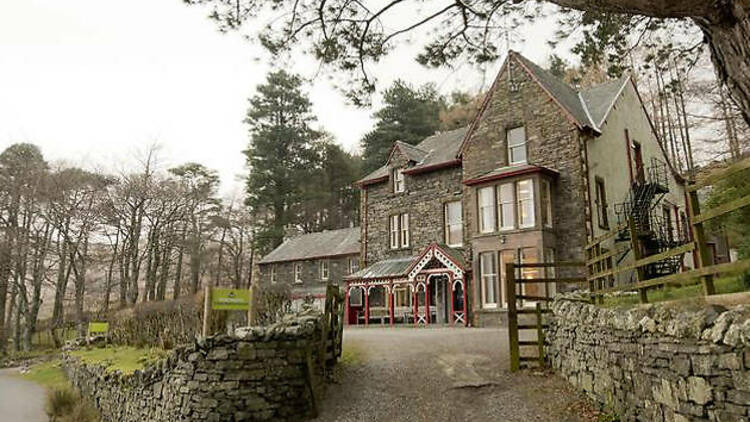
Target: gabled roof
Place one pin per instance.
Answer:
(587, 109)
(328, 243)
(433, 152)
(600, 99)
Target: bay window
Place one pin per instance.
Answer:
(545, 199)
(506, 206)
(525, 195)
(453, 224)
(488, 271)
(486, 209)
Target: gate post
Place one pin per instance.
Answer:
(699, 235)
(510, 288)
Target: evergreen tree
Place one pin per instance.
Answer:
(281, 154)
(409, 115)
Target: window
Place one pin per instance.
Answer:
(399, 184)
(517, 145)
(525, 195)
(488, 270)
(453, 224)
(273, 274)
(507, 203)
(601, 203)
(399, 231)
(353, 265)
(529, 256)
(394, 232)
(404, 230)
(298, 273)
(355, 297)
(545, 194)
(667, 216)
(324, 270)
(486, 209)
(506, 257)
(401, 297)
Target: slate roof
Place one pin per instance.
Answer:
(316, 245)
(599, 99)
(440, 148)
(386, 268)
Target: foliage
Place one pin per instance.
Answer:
(408, 115)
(273, 302)
(723, 285)
(460, 110)
(65, 405)
(736, 223)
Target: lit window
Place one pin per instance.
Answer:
(298, 273)
(404, 230)
(399, 183)
(488, 269)
(517, 145)
(353, 265)
(506, 257)
(486, 209)
(324, 270)
(530, 256)
(273, 274)
(546, 202)
(507, 205)
(525, 194)
(453, 224)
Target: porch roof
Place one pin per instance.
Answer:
(510, 171)
(387, 268)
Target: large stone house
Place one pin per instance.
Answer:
(532, 178)
(309, 262)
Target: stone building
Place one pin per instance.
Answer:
(309, 262)
(531, 179)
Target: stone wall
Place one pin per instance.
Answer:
(259, 374)
(656, 363)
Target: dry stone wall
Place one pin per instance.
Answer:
(259, 374)
(656, 363)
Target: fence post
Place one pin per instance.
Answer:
(635, 244)
(704, 256)
(540, 334)
(510, 289)
(206, 310)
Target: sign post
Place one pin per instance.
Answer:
(221, 299)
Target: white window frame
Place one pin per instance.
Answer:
(399, 181)
(359, 295)
(325, 271)
(394, 232)
(404, 226)
(490, 207)
(516, 146)
(506, 223)
(448, 224)
(273, 274)
(488, 277)
(545, 190)
(520, 202)
(298, 273)
(353, 265)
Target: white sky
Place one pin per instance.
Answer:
(94, 81)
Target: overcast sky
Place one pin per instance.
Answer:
(92, 82)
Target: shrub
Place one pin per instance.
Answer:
(60, 402)
(273, 302)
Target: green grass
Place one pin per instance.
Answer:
(351, 355)
(48, 374)
(126, 359)
(723, 285)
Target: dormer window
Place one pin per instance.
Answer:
(399, 184)
(517, 145)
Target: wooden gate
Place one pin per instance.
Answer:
(532, 308)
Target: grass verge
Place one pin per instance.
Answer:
(723, 285)
(126, 359)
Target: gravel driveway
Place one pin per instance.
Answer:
(441, 374)
(20, 400)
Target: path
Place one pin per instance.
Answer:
(441, 374)
(20, 400)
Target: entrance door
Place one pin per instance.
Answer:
(440, 297)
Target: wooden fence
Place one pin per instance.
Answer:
(601, 270)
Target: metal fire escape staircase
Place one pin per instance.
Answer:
(654, 233)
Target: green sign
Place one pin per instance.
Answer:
(98, 327)
(230, 299)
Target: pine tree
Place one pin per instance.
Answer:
(281, 154)
(409, 115)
